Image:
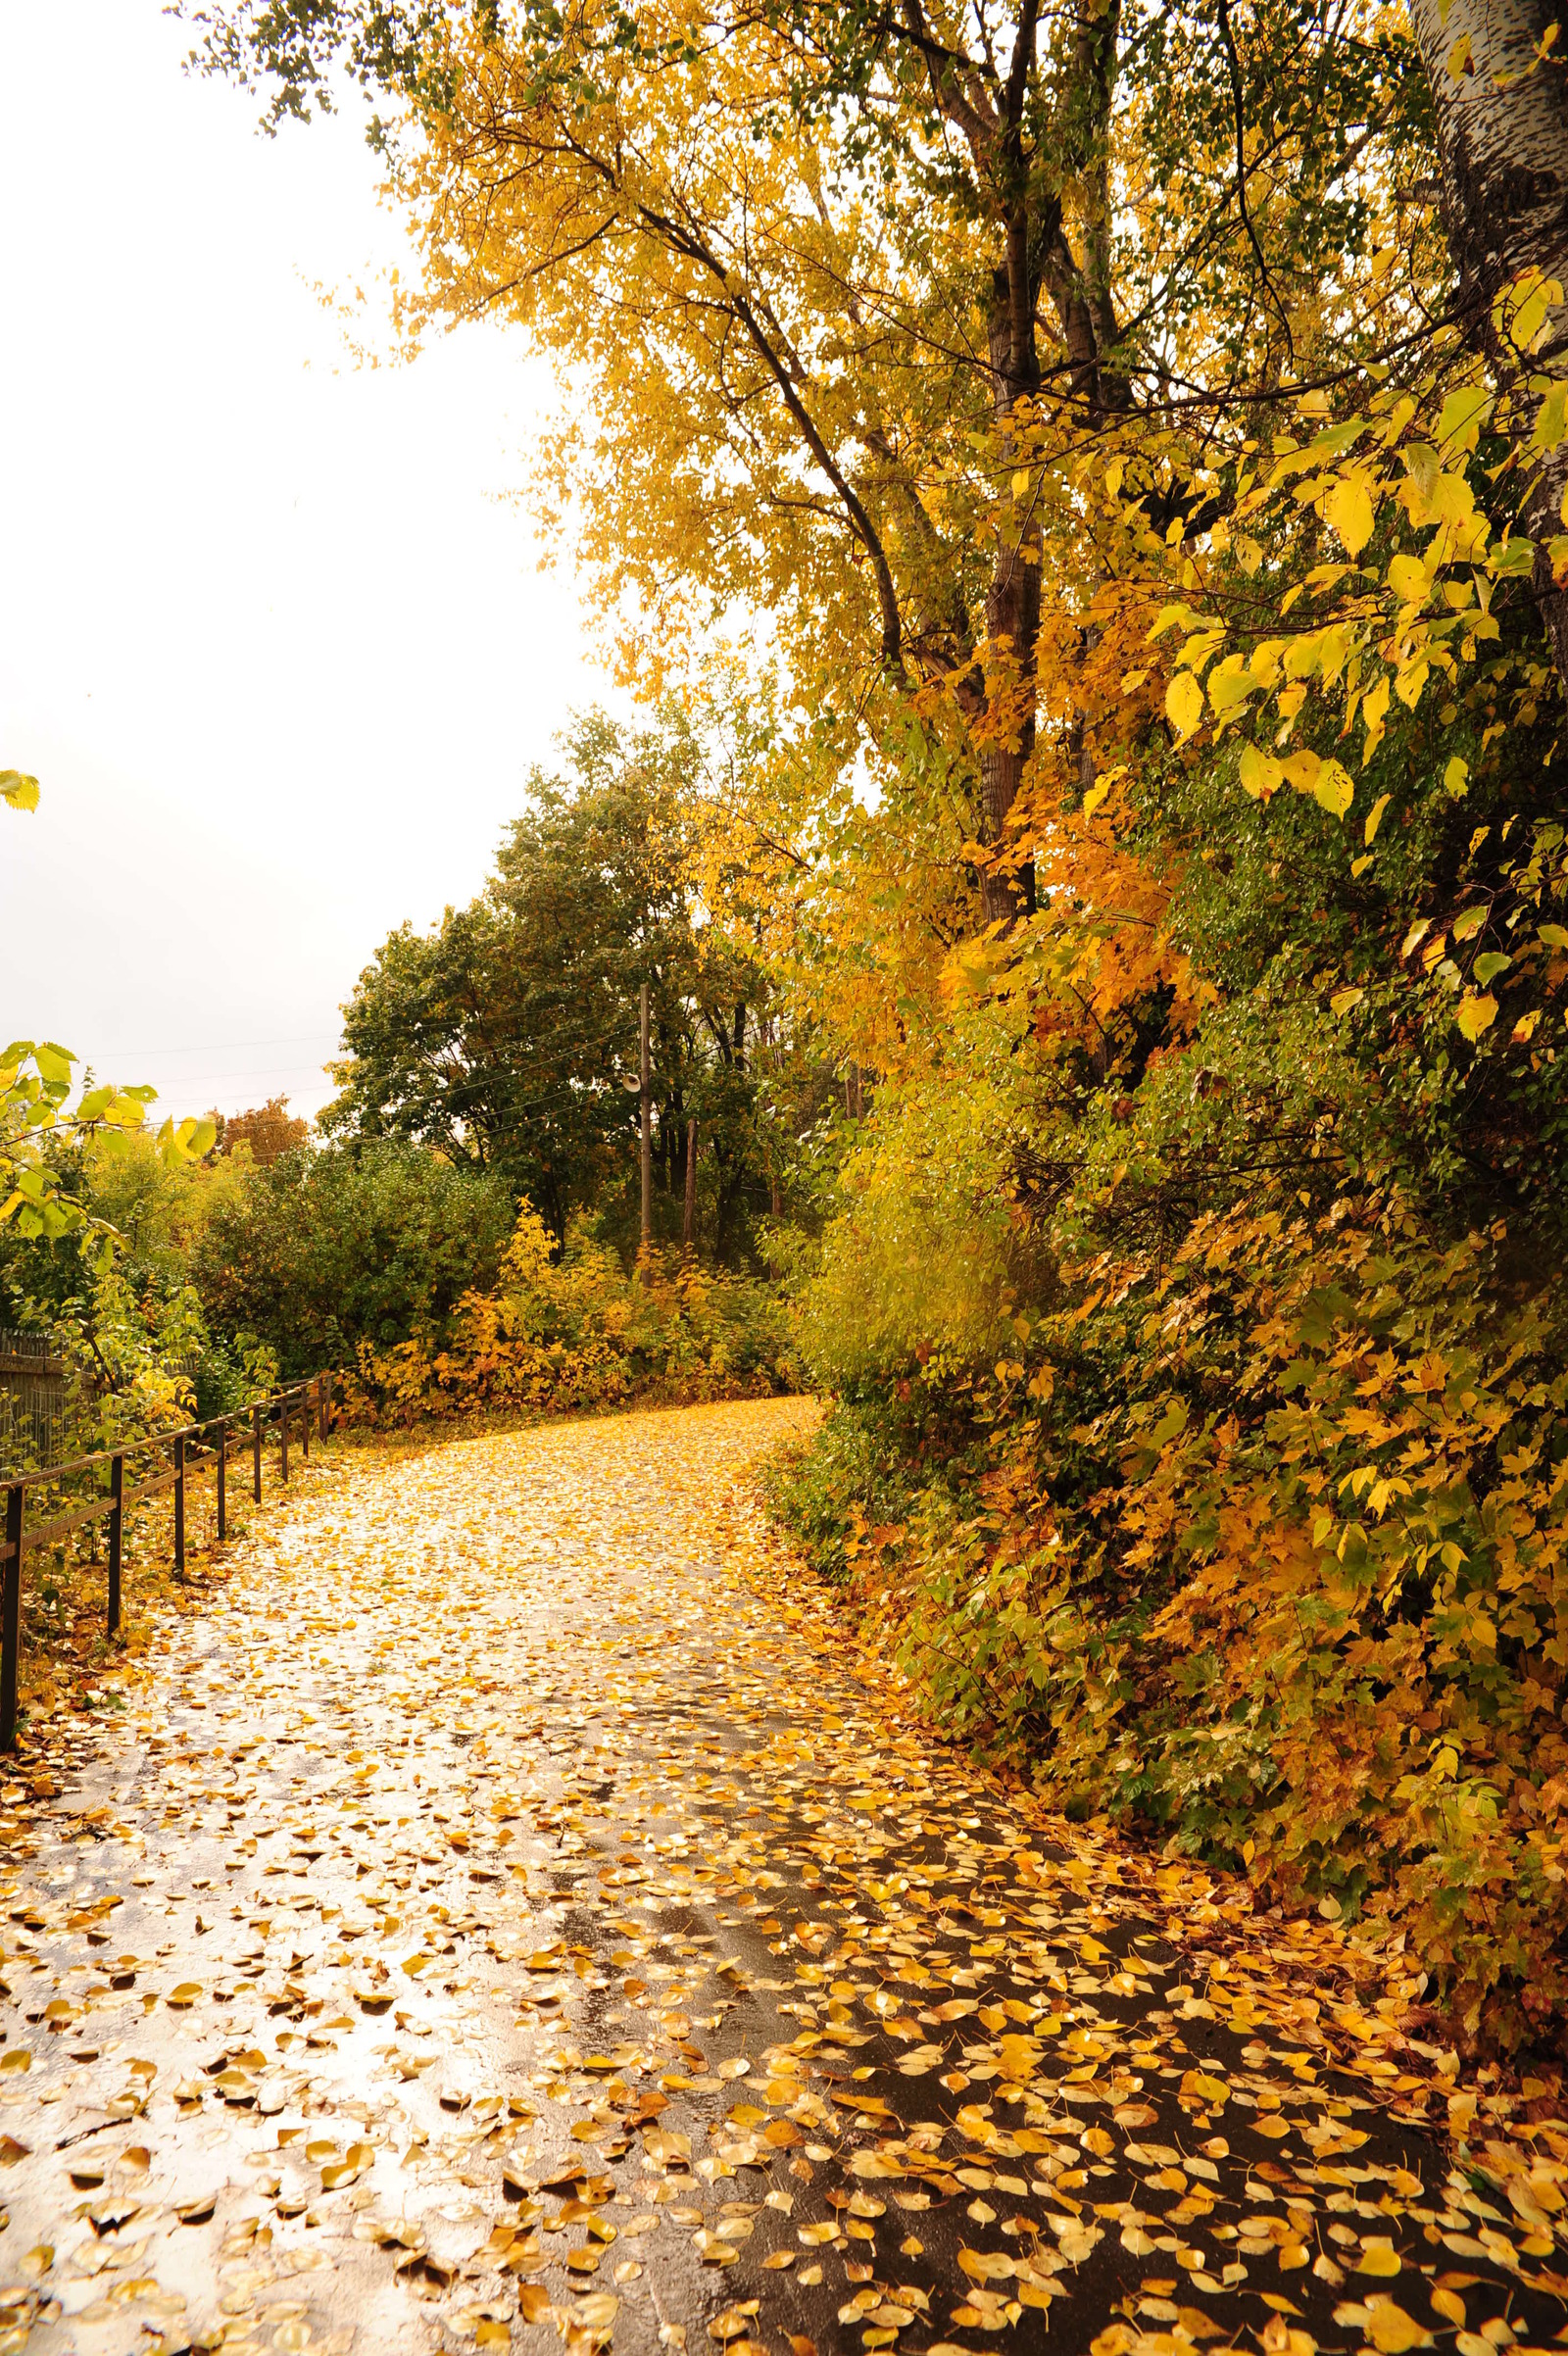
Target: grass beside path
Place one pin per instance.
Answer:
(514, 1914)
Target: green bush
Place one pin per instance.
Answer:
(323, 1252)
(854, 1488)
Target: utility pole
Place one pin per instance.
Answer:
(647, 1096)
(689, 1231)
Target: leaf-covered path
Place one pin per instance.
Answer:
(504, 1917)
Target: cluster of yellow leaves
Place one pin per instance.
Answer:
(1404, 471)
(1430, 611)
(35, 1082)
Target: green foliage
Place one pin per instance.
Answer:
(228, 1371)
(108, 1283)
(139, 1360)
(859, 1477)
(507, 1038)
(1268, 1554)
(917, 1268)
(40, 1127)
(320, 1252)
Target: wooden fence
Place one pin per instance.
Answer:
(189, 1450)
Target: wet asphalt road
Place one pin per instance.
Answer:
(505, 1919)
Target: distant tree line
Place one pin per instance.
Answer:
(507, 1037)
(490, 1063)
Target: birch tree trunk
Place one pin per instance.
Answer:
(1499, 97)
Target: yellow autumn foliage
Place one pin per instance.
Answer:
(556, 1335)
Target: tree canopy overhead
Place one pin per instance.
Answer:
(853, 289)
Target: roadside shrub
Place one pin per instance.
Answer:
(1261, 1545)
(851, 1491)
(578, 1332)
(320, 1253)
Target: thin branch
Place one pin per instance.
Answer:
(1235, 65)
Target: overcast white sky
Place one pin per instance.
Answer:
(275, 646)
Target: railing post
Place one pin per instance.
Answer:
(117, 1537)
(11, 1615)
(255, 1451)
(282, 1435)
(305, 1421)
(324, 1390)
(180, 1504)
(222, 1481)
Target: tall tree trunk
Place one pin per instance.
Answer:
(1012, 601)
(689, 1225)
(645, 1125)
(1503, 133)
(1037, 256)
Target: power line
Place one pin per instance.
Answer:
(217, 1047)
(201, 1082)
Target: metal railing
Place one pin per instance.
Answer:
(191, 1449)
(35, 1415)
